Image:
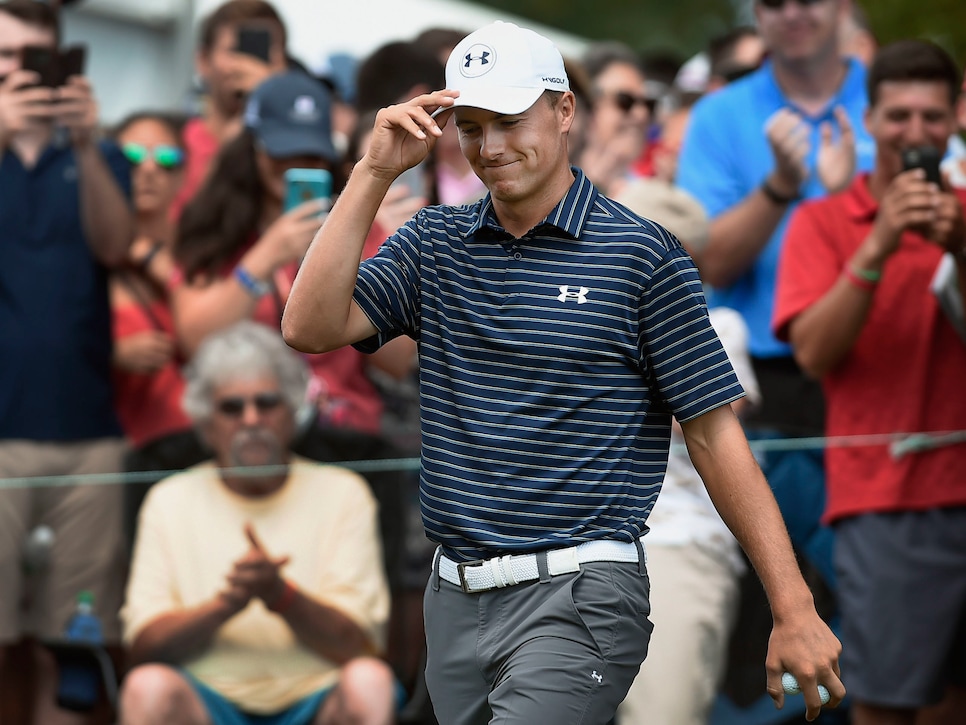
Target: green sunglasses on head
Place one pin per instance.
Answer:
(167, 157)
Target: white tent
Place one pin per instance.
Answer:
(141, 53)
(320, 27)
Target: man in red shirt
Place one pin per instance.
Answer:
(854, 298)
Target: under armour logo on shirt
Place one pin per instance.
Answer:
(599, 678)
(580, 295)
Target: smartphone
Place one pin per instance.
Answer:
(255, 41)
(55, 66)
(303, 185)
(72, 62)
(924, 157)
(43, 61)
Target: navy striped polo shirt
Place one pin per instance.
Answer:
(549, 367)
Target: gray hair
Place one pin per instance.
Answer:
(243, 351)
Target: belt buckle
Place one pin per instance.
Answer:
(460, 570)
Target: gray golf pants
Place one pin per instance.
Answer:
(563, 651)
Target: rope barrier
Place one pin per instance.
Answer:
(899, 444)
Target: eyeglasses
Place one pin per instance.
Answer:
(234, 407)
(167, 157)
(779, 4)
(626, 101)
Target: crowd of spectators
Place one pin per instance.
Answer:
(142, 257)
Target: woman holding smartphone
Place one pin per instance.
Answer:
(238, 249)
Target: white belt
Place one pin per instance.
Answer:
(505, 571)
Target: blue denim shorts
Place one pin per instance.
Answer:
(224, 712)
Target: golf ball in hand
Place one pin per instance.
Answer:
(790, 686)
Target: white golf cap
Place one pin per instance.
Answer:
(504, 68)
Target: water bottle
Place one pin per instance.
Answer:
(80, 678)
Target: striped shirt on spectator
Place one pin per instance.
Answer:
(549, 368)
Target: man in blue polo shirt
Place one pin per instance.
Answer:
(792, 130)
(558, 333)
(64, 220)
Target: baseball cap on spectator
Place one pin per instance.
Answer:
(290, 114)
(504, 68)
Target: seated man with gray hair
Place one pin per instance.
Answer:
(257, 587)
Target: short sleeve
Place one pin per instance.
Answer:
(808, 267)
(733, 333)
(706, 167)
(679, 344)
(353, 580)
(150, 588)
(388, 285)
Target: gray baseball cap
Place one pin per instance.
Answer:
(291, 115)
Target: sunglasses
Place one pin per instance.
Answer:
(234, 407)
(626, 101)
(779, 4)
(167, 157)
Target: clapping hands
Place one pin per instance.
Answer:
(790, 138)
(836, 153)
(256, 575)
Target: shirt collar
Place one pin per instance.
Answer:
(569, 215)
(852, 86)
(859, 202)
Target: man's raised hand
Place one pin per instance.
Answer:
(404, 134)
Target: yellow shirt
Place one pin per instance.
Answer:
(190, 534)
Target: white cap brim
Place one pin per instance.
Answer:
(502, 100)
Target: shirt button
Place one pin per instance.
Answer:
(517, 256)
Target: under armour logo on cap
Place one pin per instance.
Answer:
(504, 68)
(478, 60)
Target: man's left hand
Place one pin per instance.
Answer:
(836, 156)
(76, 110)
(802, 644)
